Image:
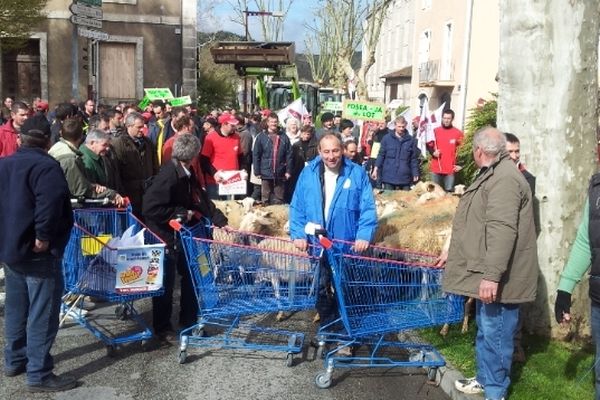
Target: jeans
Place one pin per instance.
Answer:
(496, 326)
(32, 307)
(595, 324)
(445, 181)
(273, 191)
(389, 186)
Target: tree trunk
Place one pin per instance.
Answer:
(548, 95)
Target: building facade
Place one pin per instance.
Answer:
(456, 54)
(389, 78)
(433, 52)
(149, 43)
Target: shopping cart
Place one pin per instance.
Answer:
(238, 275)
(93, 267)
(379, 292)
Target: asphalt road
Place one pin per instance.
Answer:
(136, 373)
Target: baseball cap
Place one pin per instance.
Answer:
(227, 118)
(42, 106)
(265, 113)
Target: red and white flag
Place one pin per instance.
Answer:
(295, 109)
(428, 121)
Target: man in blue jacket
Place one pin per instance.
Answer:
(334, 193)
(398, 159)
(35, 223)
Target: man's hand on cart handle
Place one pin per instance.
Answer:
(317, 230)
(40, 246)
(441, 260)
(360, 245)
(301, 244)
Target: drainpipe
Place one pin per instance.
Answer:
(466, 60)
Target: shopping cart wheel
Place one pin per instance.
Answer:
(111, 350)
(289, 360)
(122, 312)
(323, 380)
(432, 374)
(182, 356)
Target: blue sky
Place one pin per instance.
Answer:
(215, 15)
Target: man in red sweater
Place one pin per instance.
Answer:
(9, 132)
(443, 152)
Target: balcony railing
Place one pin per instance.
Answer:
(434, 71)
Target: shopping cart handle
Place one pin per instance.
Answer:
(321, 234)
(176, 224)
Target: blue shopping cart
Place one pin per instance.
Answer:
(93, 267)
(381, 291)
(239, 274)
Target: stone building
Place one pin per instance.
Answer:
(149, 43)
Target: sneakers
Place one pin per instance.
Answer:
(468, 386)
(53, 383)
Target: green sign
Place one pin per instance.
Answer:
(181, 101)
(363, 110)
(144, 103)
(93, 3)
(159, 94)
(332, 106)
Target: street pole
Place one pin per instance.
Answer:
(74, 64)
(245, 77)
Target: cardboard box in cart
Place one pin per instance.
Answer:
(139, 269)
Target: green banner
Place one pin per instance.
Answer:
(159, 94)
(363, 110)
(333, 106)
(180, 101)
(93, 3)
(144, 103)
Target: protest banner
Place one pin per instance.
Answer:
(363, 110)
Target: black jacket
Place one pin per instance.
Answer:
(268, 165)
(302, 154)
(35, 204)
(172, 193)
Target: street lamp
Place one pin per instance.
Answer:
(248, 13)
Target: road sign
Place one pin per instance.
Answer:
(89, 22)
(366, 111)
(86, 11)
(92, 34)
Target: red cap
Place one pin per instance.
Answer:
(42, 106)
(416, 119)
(265, 112)
(227, 118)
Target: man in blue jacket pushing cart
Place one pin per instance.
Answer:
(334, 193)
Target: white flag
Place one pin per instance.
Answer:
(295, 109)
(428, 121)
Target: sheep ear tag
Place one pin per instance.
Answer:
(347, 183)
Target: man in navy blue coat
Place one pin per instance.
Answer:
(398, 159)
(35, 223)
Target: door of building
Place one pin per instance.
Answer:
(117, 67)
(21, 72)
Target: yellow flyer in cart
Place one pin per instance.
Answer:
(139, 269)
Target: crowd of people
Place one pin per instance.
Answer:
(170, 162)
